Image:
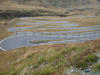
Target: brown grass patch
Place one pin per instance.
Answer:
(86, 21)
(4, 25)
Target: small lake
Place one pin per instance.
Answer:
(47, 31)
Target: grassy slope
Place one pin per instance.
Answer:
(47, 59)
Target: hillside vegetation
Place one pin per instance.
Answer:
(49, 59)
(58, 3)
(22, 8)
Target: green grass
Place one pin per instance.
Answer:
(8, 73)
(46, 70)
(96, 67)
(51, 60)
(86, 60)
(41, 60)
(92, 58)
(61, 63)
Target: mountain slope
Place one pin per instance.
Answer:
(58, 3)
(49, 7)
(72, 3)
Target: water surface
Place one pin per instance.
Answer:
(70, 33)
